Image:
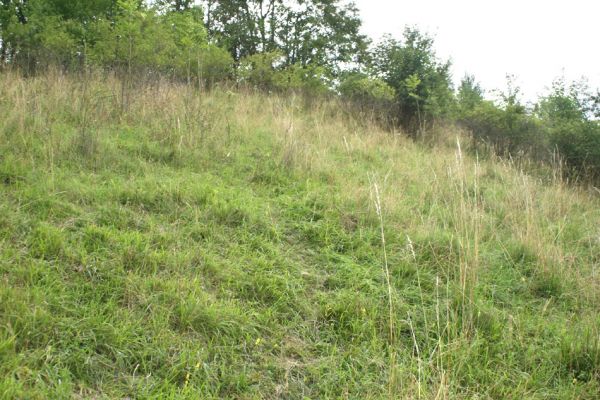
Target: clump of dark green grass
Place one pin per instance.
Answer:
(580, 353)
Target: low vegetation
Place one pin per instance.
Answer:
(232, 244)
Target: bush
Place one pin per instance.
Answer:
(578, 143)
(370, 95)
(310, 80)
(129, 37)
(264, 71)
(216, 65)
(508, 131)
(365, 90)
(568, 115)
(258, 70)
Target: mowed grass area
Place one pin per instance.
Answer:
(160, 242)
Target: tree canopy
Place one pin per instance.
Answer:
(422, 83)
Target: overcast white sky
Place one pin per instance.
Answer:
(537, 40)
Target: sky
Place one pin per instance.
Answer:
(536, 40)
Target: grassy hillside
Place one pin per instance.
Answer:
(191, 245)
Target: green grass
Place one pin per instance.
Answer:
(227, 245)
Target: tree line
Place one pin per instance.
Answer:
(311, 46)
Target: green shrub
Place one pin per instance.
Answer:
(309, 79)
(263, 71)
(567, 113)
(508, 131)
(258, 70)
(370, 96)
(421, 82)
(578, 143)
(216, 65)
(366, 90)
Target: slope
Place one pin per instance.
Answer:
(191, 244)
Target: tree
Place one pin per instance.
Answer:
(82, 11)
(422, 83)
(470, 93)
(190, 38)
(127, 36)
(308, 32)
(33, 33)
(233, 24)
(41, 31)
(322, 32)
(176, 5)
(595, 104)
